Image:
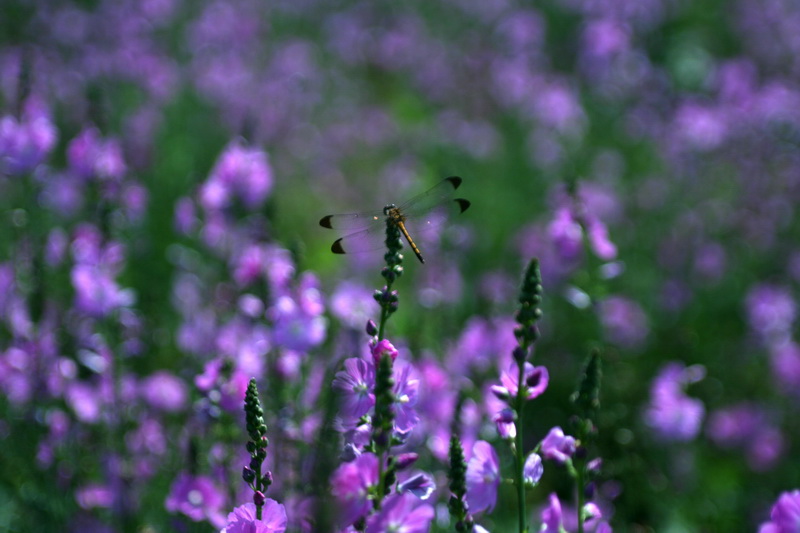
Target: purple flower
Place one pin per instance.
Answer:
(671, 413)
(557, 446)
(24, 144)
(355, 383)
(382, 349)
(350, 485)
(352, 304)
(243, 519)
(785, 514)
(420, 485)
(297, 318)
(624, 322)
(483, 343)
(164, 391)
(240, 172)
(771, 311)
(785, 362)
(532, 470)
(483, 477)
(566, 235)
(405, 394)
(94, 495)
(197, 497)
(551, 516)
(536, 381)
(504, 421)
(92, 157)
(402, 512)
(601, 244)
(747, 427)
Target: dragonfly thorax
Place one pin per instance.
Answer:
(394, 214)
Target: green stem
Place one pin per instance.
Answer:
(520, 455)
(581, 496)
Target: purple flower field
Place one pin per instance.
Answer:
(567, 302)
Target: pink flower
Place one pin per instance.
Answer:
(383, 348)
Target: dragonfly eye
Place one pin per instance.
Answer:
(388, 208)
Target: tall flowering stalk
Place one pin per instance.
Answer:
(526, 333)
(378, 400)
(384, 355)
(522, 382)
(256, 447)
(587, 401)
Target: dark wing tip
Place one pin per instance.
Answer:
(455, 181)
(463, 205)
(336, 247)
(325, 222)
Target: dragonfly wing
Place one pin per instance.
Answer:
(440, 195)
(352, 221)
(365, 240)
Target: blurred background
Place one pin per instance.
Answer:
(164, 165)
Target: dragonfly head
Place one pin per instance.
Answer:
(388, 209)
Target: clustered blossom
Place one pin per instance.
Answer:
(355, 482)
(241, 174)
(26, 142)
(671, 413)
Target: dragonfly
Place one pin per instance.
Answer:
(366, 231)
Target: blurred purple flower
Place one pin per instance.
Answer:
(624, 322)
(297, 319)
(26, 143)
(231, 386)
(196, 497)
(355, 383)
(352, 304)
(249, 265)
(785, 362)
(771, 312)
(243, 519)
(185, 220)
(350, 485)
(240, 172)
(483, 343)
(733, 426)
(483, 477)
(558, 447)
(601, 244)
(552, 516)
(401, 512)
(92, 157)
(701, 127)
(85, 400)
(785, 514)
(94, 495)
(672, 414)
(96, 292)
(567, 235)
(606, 37)
(165, 392)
